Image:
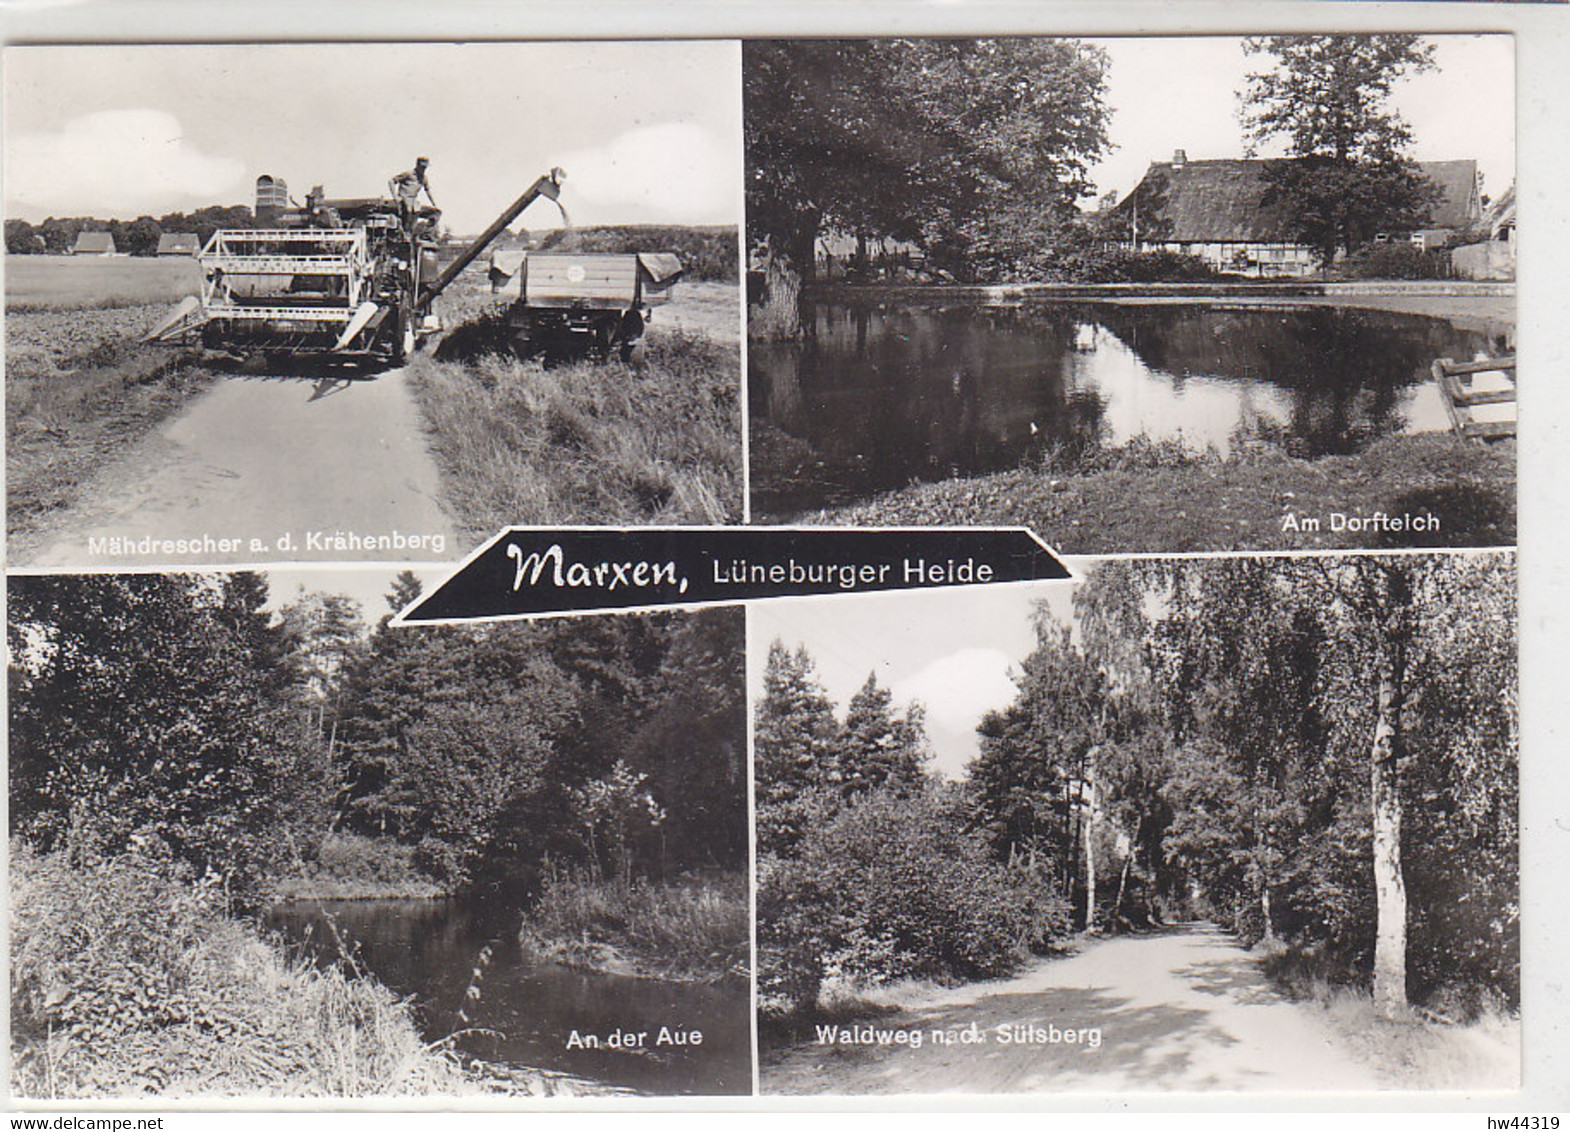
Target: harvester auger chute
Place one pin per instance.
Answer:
(350, 279)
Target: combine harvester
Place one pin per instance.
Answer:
(355, 279)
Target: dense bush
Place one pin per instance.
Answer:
(710, 253)
(1108, 264)
(891, 886)
(1396, 260)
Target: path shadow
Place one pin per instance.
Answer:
(1148, 1045)
(1227, 979)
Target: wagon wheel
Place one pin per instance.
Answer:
(630, 337)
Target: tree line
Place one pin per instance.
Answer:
(1317, 753)
(139, 237)
(184, 709)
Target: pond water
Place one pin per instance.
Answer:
(428, 949)
(881, 396)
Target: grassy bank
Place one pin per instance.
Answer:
(693, 928)
(350, 867)
(1149, 498)
(656, 441)
(128, 979)
(1417, 1052)
(79, 388)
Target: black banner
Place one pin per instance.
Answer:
(532, 571)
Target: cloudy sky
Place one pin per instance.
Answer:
(647, 132)
(1177, 93)
(950, 649)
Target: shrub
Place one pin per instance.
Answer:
(1397, 260)
(889, 887)
(1108, 264)
(706, 253)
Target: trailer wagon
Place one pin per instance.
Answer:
(593, 301)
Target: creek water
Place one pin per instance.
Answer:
(428, 949)
(878, 396)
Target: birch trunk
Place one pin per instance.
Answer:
(1090, 856)
(1389, 884)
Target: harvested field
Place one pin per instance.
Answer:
(37, 282)
(80, 388)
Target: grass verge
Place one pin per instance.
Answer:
(128, 978)
(1256, 501)
(1411, 1052)
(694, 928)
(656, 441)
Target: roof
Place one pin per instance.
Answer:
(1501, 213)
(660, 265)
(1223, 201)
(93, 242)
(178, 242)
(1458, 207)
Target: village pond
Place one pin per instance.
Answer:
(878, 396)
(526, 1013)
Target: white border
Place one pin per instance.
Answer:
(1543, 132)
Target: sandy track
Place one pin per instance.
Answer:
(1184, 1010)
(264, 458)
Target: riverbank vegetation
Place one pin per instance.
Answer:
(129, 977)
(1165, 497)
(694, 927)
(179, 743)
(1318, 754)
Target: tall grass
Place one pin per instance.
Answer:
(128, 978)
(1420, 1051)
(694, 927)
(588, 442)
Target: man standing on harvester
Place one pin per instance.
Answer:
(406, 188)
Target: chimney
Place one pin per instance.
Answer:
(1179, 158)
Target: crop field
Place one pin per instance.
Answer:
(41, 282)
(79, 388)
(659, 441)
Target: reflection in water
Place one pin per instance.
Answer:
(429, 949)
(883, 396)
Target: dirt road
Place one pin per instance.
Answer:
(1183, 1010)
(265, 468)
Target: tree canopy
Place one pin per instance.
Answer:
(971, 149)
(1328, 97)
(185, 709)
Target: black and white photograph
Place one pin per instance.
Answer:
(350, 302)
(266, 844)
(1204, 825)
(1139, 294)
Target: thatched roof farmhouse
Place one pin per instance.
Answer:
(1217, 210)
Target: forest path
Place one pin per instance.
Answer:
(263, 457)
(1186, 1009)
